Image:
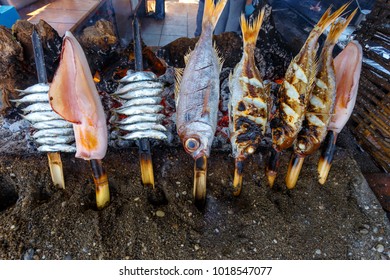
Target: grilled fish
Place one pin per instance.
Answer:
(248, 103)
(320, 107)
(294, 93)
(198, 96)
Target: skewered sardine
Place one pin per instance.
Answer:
(320, 107)
(198, 96)
(248, 103)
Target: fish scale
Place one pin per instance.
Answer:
(53, 133)
(140, 97)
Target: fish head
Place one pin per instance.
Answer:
(197, 139)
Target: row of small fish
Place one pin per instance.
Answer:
(53, 133)
(140, 96)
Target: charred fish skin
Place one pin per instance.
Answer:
(198, 91)
(295, 90)
(321, 103)
(248, 103)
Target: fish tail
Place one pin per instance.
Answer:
(250, 31)
(328, 18)
(338, 27)
(212, 12)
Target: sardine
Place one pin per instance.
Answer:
(140, 93)
(50, 141)
(37, 88)
(57, 148)
(198, 96)
(142, 101)
(153, 134)
(141, 85)
(32, 98)
(143, 126)
(52, 124)
(137, 110)
(132, 76)
(156, 118)
(53, 132)
(37, 107)
(248, 103)
(42, 116)
(320, 107)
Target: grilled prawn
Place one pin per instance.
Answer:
(294, 93)
(320, 107)
(248, 102)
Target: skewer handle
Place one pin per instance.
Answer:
(101, 183)
(326, 158)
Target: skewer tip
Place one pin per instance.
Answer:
(147, 175)
(55, 165)
(200, 179)
(272, 167)
(237, 181)
(101, 184)
(294, 169)
(326, 158)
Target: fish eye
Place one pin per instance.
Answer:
(192, 144)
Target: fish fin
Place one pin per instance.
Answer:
(187, 56)
(178, 77)
(338, 27)
(212, 12)
(219, 56)
(250, 31)
(328, 18)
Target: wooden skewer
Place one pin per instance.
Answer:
(54, 158)
(272, 167)
(101, 183)
(326, 158)
(294, 169)
(200, 179)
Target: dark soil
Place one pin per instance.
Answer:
(340, 220)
